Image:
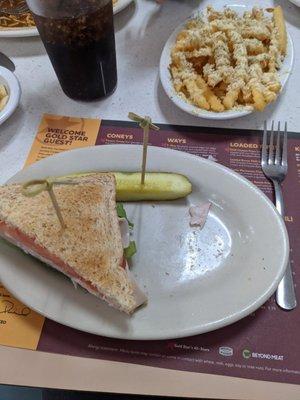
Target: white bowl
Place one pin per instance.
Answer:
(12, 85)
(166, 79)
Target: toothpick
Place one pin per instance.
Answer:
(56, 206)
(33, 188)
(146, 124)
(142, 121)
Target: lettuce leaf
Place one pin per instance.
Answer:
(130, 250)
(122, 214)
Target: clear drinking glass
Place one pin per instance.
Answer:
(80, 41)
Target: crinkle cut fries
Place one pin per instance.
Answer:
(224, 61)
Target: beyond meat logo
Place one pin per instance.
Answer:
(246, 353)
(263, 356)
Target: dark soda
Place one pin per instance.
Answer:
(81, 47)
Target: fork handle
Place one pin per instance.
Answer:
(279, 198)
(285, 294)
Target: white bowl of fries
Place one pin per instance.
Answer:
(10, 93)
(227, 72)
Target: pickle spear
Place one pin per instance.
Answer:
(158, 186)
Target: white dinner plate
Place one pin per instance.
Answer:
(22, 32)
(196, 280)
(19, 32)
(166, 79)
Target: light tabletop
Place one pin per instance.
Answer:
(141, 32)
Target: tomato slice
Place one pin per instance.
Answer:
(30, 244)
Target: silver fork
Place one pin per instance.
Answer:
(15, 10)
(275, 168)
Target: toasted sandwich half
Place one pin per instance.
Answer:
(89, 250)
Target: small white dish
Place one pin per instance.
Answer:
(196, 281)
(166, 80)
(12, 85)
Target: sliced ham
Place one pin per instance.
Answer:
(199, 214)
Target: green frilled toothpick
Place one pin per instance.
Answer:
(35, 187)
(146, 124)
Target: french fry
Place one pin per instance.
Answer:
(214, 102)
(247, 94)
(274, 87)
(257, 32)
(3, 92)
(224, 60)
(280, 24)
(269, 96)
(3, 102)
(3, 97)
(176, 59)
(230, 98)
(258, 99)
(182, 35)
(177, 82)
(254, 46)
(192, 24)
(196, 94)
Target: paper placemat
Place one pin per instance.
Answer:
(263, 346)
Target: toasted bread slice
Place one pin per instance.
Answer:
(89, 250)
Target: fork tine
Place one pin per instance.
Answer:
(284, 146)
(271, 145)
(278, 153)
(264, 158)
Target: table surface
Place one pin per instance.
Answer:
(141, 31)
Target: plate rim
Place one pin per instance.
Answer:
(228, 320)
(19, 32)
(164, 74)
